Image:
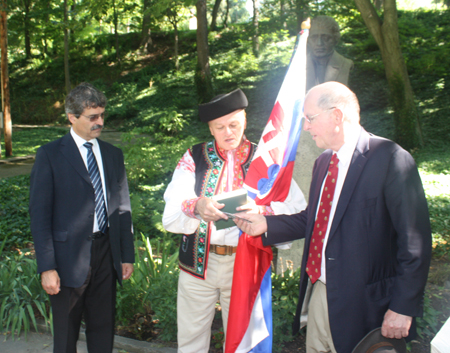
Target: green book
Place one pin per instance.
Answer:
(232, 200)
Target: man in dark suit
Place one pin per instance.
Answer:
(81, 224)
(366, 229)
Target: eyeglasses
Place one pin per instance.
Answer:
(310, 119)
(94, 117)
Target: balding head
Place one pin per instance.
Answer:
(335, 94)
(332, 114)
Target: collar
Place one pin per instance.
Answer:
(81, 141)
(241, 152)
(345, 153)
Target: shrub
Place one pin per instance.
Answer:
(152, 289)
(14, 218)
(284, 305)
(21, 294)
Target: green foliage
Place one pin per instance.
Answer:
(434, 167)
(14, 218)
(26, 141)
(171, 123)
(22, 297)
(284, 304)
(152, 288)
(218, 339)
(428, 324)
(157, 109)
(439, 208)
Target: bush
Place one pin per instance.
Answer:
(14, 217)
(21, 294)
(152, 289)
(284, 305)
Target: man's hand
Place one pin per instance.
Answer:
(395, 325)
(257, 226)
(249, 207)
(50, 282)
(209, 210)
(127, 270)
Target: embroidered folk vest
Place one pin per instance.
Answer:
(194, 248)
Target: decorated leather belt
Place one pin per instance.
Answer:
(222, 249)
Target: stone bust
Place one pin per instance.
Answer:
(323, 62)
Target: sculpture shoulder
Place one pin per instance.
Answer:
(341, 61)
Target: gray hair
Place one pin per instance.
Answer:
(327, 22)
(82, 97)
(334, 94)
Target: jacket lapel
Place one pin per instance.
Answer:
(333, 67)
(107, 167)
(70, 150)
(354, 171)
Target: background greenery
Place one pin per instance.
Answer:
(155, 107)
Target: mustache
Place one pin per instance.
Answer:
(97, 126)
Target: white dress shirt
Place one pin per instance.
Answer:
(344, 155)
(79, 141)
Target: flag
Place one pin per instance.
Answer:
(268, 179)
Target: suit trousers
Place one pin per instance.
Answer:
(95, 299)
(196, 303)
(318, 332)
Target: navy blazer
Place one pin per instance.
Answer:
(379, 247)
(62, 210)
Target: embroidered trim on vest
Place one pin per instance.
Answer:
(201, 238)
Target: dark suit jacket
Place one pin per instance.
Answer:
(379, 246)
(62, 210)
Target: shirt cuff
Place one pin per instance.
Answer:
(266, 210)
(188, 207)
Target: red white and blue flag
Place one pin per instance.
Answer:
(268, 179)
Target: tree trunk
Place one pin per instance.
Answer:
(282, 15)
(406, 116)
(146, 39)
(46, 19)
(301, 8)
(203, 73)
(225, 21)
(26, 28)
(255, 28)
(116, 33)
(7, 126)
(214, 15)
(175, 28)
(66, 47)
(378, 4)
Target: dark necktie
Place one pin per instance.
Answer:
(320, 226)
(100, 207)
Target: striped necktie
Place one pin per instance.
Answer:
(100, 207)
(313, 266)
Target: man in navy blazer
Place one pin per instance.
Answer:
(78, 256)
(376, 250)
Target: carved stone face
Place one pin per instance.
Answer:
(321, 41)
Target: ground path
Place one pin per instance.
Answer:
(22, 165)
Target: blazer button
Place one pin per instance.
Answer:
(331, 258)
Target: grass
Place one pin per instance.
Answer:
(26, 141)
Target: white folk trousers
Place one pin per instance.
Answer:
(197, 300)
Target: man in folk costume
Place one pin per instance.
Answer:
(206, 254)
